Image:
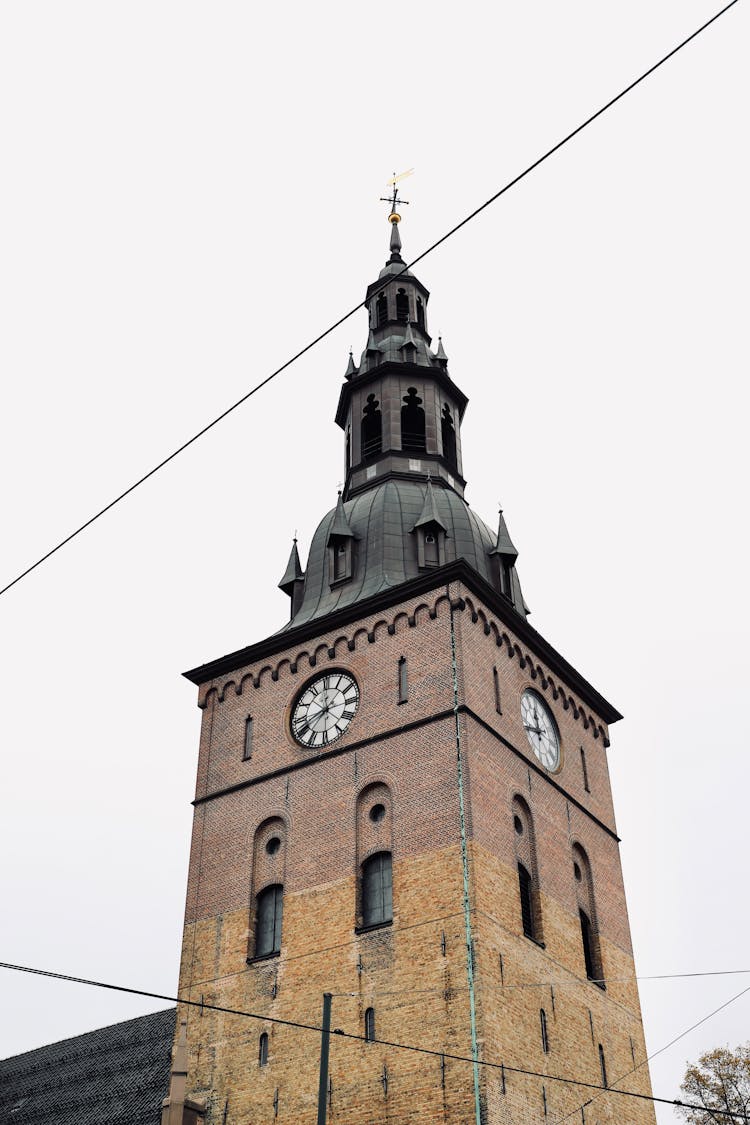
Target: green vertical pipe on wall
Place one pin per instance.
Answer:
(465, 867)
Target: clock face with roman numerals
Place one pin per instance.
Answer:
(324, 710)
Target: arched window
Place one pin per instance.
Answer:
(584, 887)
(449, 437)
(268, 920)
(402, 306)
(543, 1023)
(381, 311)
(377, 889)
(528, 878)
(370, 1025)
(263, 1049)
(412, 422)
(420, 313)
(372, 428)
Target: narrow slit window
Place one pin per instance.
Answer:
(527, 903)
(584, 771)
(403, 681)
(247, 750)
(543, 1025)
(263, 1049)
(420, 313)
(603, 1067)
(496, 682)
(587, 938)
(370, 1025)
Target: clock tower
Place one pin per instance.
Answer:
(403, 801)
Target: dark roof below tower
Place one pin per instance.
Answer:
(382, 521)
(116, 1075)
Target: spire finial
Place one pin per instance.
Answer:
(394, 200)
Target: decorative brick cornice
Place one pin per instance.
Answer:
(499, 607)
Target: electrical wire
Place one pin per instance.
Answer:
(327, 332)
(666, 1047)
(383, 1042)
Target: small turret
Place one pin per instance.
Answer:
(293, 580)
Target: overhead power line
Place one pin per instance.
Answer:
(382, 1042)
(468, 218)
(666, 1047)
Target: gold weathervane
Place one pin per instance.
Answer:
(393, 199)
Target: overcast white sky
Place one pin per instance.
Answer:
(189, 193)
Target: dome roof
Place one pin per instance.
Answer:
(382, 521)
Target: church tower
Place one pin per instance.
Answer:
(403, 801)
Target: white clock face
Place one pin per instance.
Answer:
(541, 729)
(324, 710)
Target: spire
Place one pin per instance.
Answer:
(395, 241)
(504, 544)
(293, 573)
(341, 525)
(351, 367)
(429, 513)
(440, 355)
(409, 341)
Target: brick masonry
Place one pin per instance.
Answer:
(414, 972)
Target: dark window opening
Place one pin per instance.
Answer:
(587, 938)
(448, 430)
(370, 1025)
(420, 313)
(431, 551)
(544, 1100)
(577, 872)
(348, 446)
(518, 825)
(372, 428)
(381, 311)
(403, 681)
(273, 845)
(412, 423)
(585, 771)
(247, 751)
(527, 902)
(543, 1023)
(339, 562)
(506, 582)
(498, 701)
(603, 1067)
(268, 921)
(263, 1049)
(377, 889)
(402, 306)
(377, 813)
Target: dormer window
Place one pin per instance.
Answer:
(340, 559)
(402, 306)
(430, 546)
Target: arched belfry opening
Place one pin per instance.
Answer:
(448, 430)
(412, 422)
(420, 313)
(402, 306)
(372, 428)
(381, 311)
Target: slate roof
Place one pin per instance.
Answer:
(116, 1075)
(383, 519)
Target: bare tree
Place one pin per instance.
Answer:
(720, 1082)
